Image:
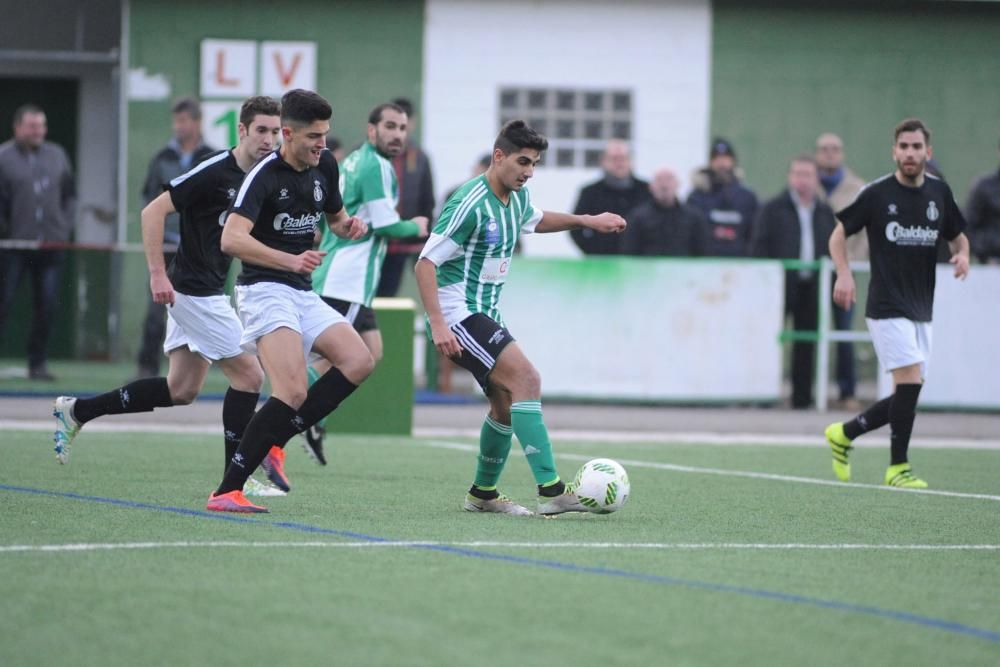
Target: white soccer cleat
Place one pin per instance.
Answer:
(567, 501)
(66, 426)
(255, 487)
(499, 505)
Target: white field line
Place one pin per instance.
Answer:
(134, 427)
(121, 425)
(439, 444)
(717, 438)
(661, 546)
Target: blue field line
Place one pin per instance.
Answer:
(760, 593)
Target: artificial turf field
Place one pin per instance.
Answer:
(111, 559)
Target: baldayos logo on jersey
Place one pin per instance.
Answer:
(304, 223)
(900, 235)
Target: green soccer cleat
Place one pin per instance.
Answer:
(499, 505)
(67, 427)
(840, 445)
(901, 476)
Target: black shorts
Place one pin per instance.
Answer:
(361, 317)
(482, 339)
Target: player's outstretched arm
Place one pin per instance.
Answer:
(959, 247)
(153, 218)
(443, 338)
(237, 242)
(346, 226)
(605, 223)
(843, 288)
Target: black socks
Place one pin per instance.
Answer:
(139, 396)
(873, 418)
(273, 424)
(902, 412)
(324, 396)
(237, 411)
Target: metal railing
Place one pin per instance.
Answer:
(824, 335)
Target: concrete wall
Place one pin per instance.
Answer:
(658, 50)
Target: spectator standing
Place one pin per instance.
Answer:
(416, 199)
(797, 225)
(840, 187)
(729, 206)
(184, 150)
(37, 203)
(663, 226)
(618, 191)
(983, 215)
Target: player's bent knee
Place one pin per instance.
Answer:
(183, 395)
(359, 368)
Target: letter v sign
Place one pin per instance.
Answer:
(286, 76)
(287, 65)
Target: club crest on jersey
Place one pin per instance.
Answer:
(893, 210)
(317, 191)
(492, 231)
(932, 212)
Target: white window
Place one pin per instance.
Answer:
(577, 123)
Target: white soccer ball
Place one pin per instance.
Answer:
(602, 486)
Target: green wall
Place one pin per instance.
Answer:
(784, 72)
(367, 51)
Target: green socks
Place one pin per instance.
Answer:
(494, 446)
(526, 419)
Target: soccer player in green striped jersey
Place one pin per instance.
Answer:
(460, 274)
(349, 275)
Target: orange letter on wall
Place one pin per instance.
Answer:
(286, 77)
(220, 66)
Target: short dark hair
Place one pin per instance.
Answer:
(405, 104)
(375, 117)
(189, 105)
(258, 105)
(802, 158)
(516, 135)
(24, 110)
(304, 107)
(912, 125)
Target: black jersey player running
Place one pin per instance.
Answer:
(903, 214)
(202, 327)
(271, 227)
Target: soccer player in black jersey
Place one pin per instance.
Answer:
(903, 214)
(202, 327)
(271, 227)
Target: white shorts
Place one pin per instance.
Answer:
(207, 325)
(901, 342)
(266, 307)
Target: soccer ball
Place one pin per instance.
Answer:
(602, 486)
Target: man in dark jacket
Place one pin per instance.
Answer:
(663, 226)
(618, 191)
(184, 150)
(797, 225)
(415, 184)
(983, 216)
(37, 204)
(728, 205)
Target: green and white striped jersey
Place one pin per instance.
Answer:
(472, 246)
(351, 269)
